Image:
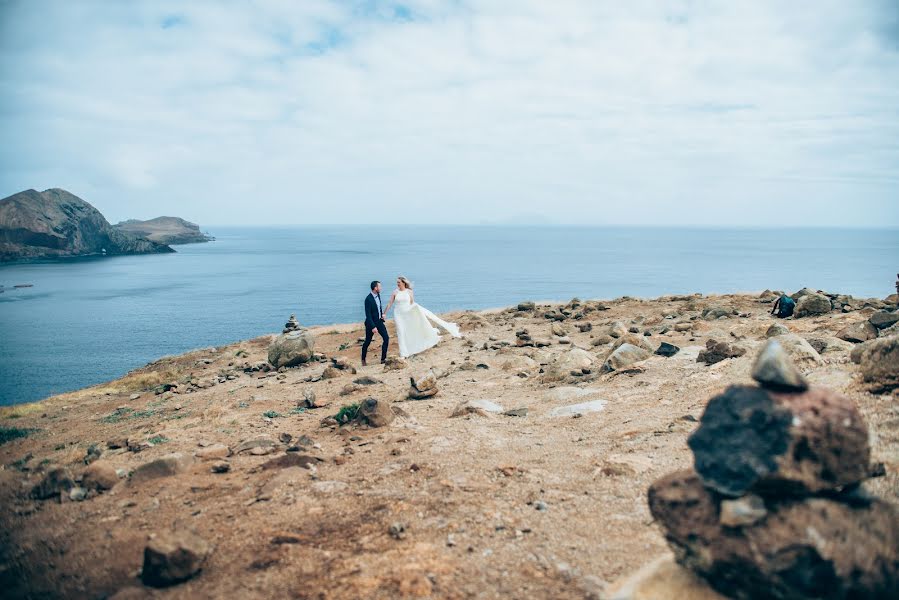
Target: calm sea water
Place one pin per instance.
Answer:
(91, 320)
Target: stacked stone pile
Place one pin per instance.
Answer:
(774, 506)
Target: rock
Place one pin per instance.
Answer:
(624, 356)
(329, 487)
(717, 350)
(803, 292)
(291, 459)
(813, 304)
(585, 327)
(662, 579)
(213, 452)
(367, 380)
(558, 331)
(100, 476)
(291, 325)
(667, 350)
(617, 329)
(222, 466)
(750, 439)
(799, 349)
(683, 327)
(773, 369)
(565, 364)
(879, 363)
(261, 443)
(601, 340)
(331, 372)
(579, 409)
(423, 386)
(858, 332)
(394, 363)
(164, 230)
(830, 345)
(55, 482)
(716, 312)
(516, 412)
(349, 389)
(526, 306)
(171, 558)
(741, 511)
(376, 412)
(479, 407)
(310, 400)
(291, 349)
(166, 466)
(776, 329)
(804, 548)
(634, 340)
(883, 319)
(78, 494)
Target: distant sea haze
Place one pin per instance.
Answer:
(86, 321)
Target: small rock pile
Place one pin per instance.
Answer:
(774, 506)
(291, 325)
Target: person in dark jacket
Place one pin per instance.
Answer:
(374, 320)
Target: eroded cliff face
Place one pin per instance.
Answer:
(56, 223)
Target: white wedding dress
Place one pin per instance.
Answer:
(414, 330)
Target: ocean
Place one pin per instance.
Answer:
(89, 320)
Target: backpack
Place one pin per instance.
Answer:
(786, 306)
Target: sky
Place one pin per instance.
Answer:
(730, 112)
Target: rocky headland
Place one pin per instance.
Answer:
(165, 230)
(681, 447)
(55, 223)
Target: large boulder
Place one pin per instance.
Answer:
(800, 351)
(858, 332)
(291, 349)
(634, 340)
(813, 304)
(879, 362)
(575, 362)
(376, 413)
(624, 356)
(751, 439)
(171, 558)
(883, 319)
(803, 548)
(99, 475)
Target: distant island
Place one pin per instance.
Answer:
(165, 230)
(56, 223)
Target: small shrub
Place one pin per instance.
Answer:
(271, 414)
(158, 439)
(298, 410)
(8, 434)
(344, 346)
(347, 413)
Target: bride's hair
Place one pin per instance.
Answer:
(406, 282)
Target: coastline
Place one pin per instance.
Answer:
(537, 489)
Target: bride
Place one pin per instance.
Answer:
(414, 331)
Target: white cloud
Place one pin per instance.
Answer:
(749, 112)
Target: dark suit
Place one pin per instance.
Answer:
(373, 320)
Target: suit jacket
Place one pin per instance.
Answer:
(372, 316)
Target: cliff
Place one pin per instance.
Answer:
(165, 230)
(524, 476)
(56, 223)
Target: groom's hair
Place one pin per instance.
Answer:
(374, 283)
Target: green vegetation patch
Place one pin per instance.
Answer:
(8, 434)
(272, 414)
(347, 413)
(126, 414)
(158, 439)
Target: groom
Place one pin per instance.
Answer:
(374, 319)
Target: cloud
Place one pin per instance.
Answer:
(425, 111)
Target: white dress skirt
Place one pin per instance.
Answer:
(415, 331)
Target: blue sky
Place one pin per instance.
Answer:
(280, 112)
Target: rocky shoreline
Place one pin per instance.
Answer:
(548, 454)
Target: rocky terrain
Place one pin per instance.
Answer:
(516, 462)
(56, 223)
(165, 230)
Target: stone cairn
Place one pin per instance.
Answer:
(774, 507)
(291, 325)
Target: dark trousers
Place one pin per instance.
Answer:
(369, 334)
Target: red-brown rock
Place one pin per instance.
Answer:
(751, 439)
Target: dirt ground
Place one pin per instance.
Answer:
(431, 506)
